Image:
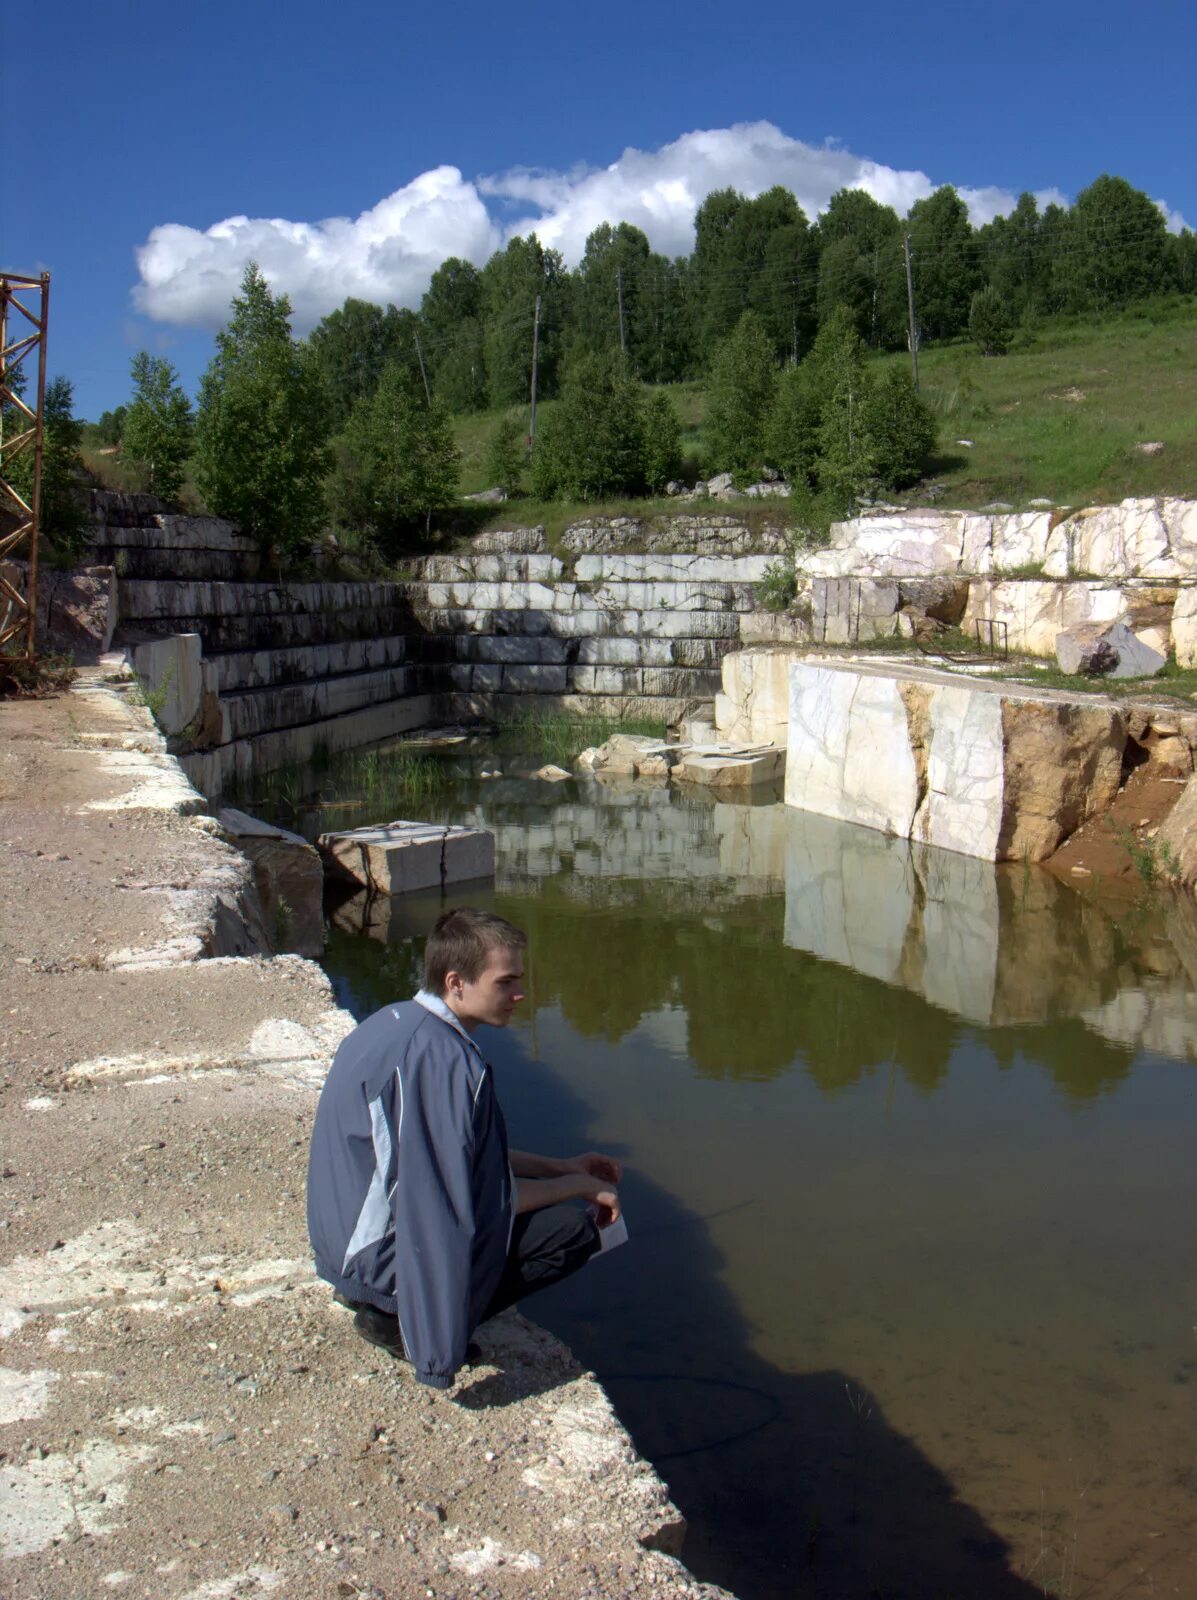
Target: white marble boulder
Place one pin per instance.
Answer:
(1107, 650)
(401, 857)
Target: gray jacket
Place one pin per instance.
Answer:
(409, 1189)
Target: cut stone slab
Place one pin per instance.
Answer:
(289, 878)
(1109, 651)
(731, 769)
(631, 754)
(968, 765)
(399, 857)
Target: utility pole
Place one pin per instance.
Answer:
(623, 341)
(535, 357)
(423, 373)
(913, 334)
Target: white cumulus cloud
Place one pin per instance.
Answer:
(1175, 221)
(189, 275)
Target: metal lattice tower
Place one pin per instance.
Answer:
(24, 314)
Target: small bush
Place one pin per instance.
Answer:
(778, 589)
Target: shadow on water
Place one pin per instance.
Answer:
(793, 1483)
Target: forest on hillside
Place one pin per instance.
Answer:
(772, 313)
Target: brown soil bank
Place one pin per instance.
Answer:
(184, 1413)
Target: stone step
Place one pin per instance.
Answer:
(257, 669)
(592, 623)
(246, 632)
(213, 771)
(550, 650)
(459, 705)
(248, 712)
(691, 683)
(610, 594)
(149, 561)
(166, 598)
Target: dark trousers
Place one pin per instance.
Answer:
(546, 1246)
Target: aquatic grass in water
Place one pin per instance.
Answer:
(400, 773)
(561, 737)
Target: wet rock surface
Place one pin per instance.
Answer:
(184, 1411)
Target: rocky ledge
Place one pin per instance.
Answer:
(184, 1412)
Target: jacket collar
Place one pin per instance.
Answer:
(438, 1008)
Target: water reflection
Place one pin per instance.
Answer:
(897, 1319)
(710, 914)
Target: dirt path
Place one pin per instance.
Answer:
(184, 1413)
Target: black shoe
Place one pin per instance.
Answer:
(377, 1328)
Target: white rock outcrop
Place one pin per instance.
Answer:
(967, 765)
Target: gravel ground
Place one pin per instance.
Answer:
(184, 1412)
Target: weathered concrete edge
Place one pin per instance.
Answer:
(220, 910)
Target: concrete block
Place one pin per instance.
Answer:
(538, 679)
(172, 679)
(401, 857)
(289, 880)
(721, 768)
(487, 678)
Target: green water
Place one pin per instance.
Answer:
(910, 1300)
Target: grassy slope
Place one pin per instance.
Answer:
(1056, 418)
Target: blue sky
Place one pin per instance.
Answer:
(440, 130)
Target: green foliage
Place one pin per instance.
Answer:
(561, 737)
(945, 264)
(619, 268)
(110, 426)
(262, 428)
(846, 460)
(778, 589)
(1153, 863)
(740, 397)
(592, 445)
(792, 429)
(61, 511)
(661, 441)
(989, 322)
(1119, 241)
(157, 426)
(508, 455)
(396, 461)
(753, 255)
(454, 351)
(508, 287)
(840, 425)
(352, 346)
(860, 267)
(900, 427)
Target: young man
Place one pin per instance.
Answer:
(420, 1217)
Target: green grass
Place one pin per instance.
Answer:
(1032, 438)
(1058, 418)
(560, 737)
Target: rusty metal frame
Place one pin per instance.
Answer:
(18, 612)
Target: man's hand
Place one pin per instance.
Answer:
(606, 1197)
(595, 1165)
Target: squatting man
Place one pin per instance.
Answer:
(421, 1218)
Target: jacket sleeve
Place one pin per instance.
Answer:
(433, 1208)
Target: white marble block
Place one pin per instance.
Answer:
(399, 857)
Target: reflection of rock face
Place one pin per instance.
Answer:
(997, 946)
